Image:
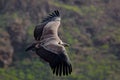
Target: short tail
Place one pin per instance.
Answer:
(31, 47)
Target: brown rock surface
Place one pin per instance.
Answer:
(6, 50)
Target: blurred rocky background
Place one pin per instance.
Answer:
(91, 27)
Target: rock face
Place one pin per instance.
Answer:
(17, 34)
(6, 50)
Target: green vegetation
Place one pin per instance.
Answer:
(84, 10)
(5, 18)
(26, 70)
(34, 69)
(91, 28)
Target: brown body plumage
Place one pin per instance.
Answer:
(50, 47)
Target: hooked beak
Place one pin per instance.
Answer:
(65, 44)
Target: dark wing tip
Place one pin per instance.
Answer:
(51, 15)
(64, 69)
(61, 68)
(59, 63)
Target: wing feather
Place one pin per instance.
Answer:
(38, 31)
(51, 16)
(59, 62)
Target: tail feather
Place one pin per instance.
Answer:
(31, 47)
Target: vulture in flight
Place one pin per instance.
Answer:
(49, 46)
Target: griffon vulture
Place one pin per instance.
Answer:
(49, 46)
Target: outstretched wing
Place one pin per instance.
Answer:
(59, 62)
(39, 28)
